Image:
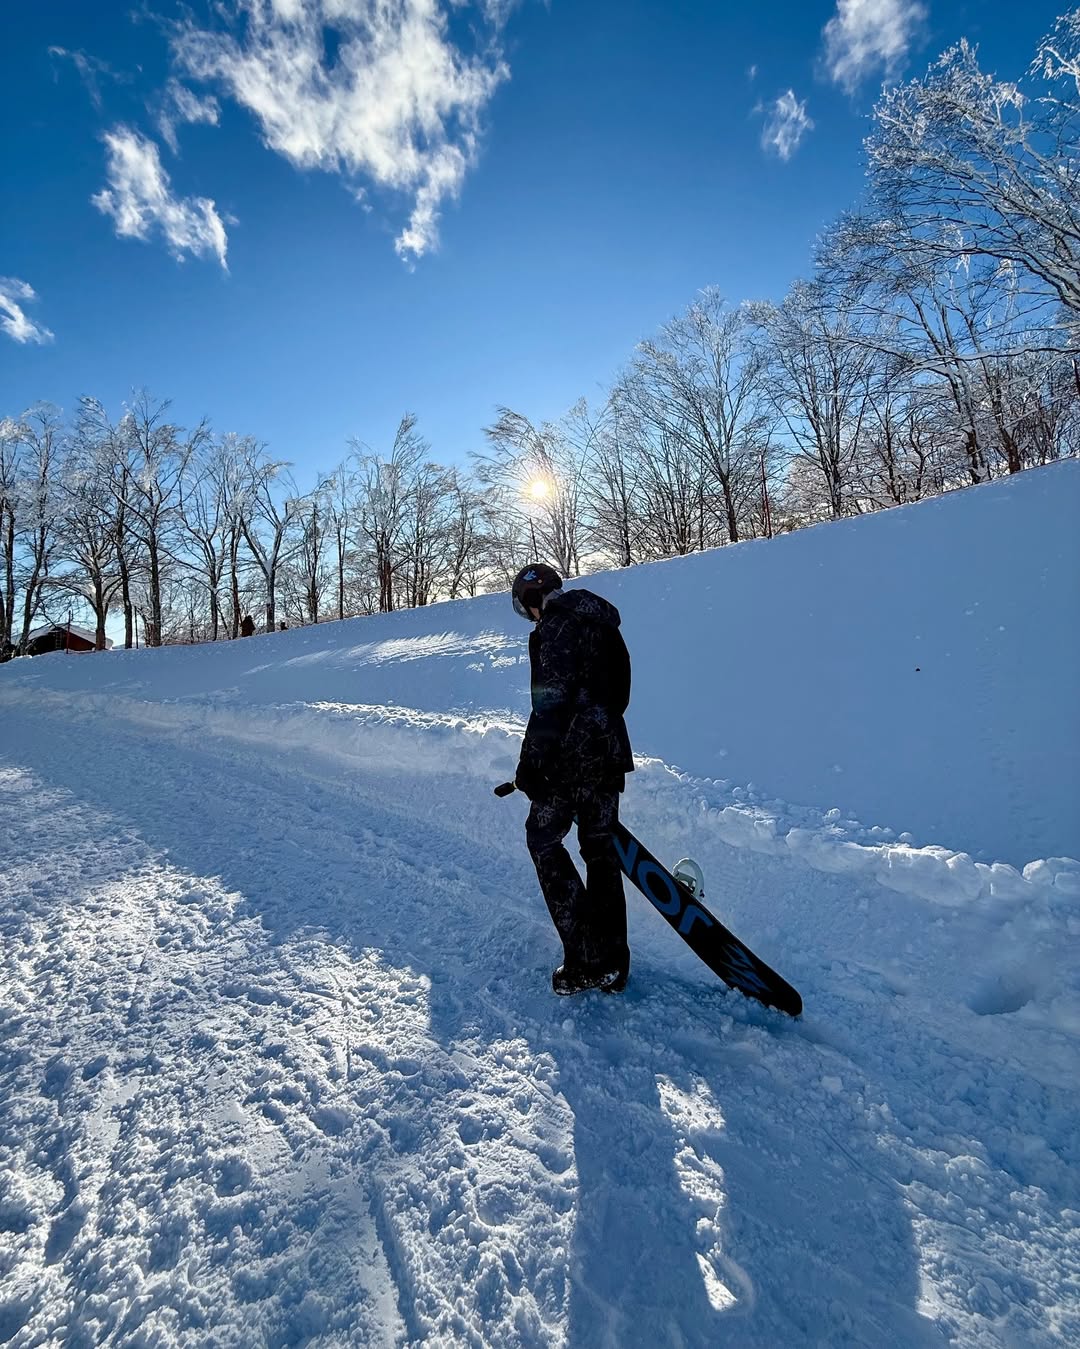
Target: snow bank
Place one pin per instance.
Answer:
(442, 748)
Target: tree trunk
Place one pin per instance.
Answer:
(33, 589)
(154, 635)
(729, 510)
(766, 509)
(215, 603)
(9, 577)
(125, 581)
(234, 583)
(100, 614)
(341, 575)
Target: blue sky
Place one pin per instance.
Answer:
(302, 226)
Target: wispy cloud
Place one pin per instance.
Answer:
(375, 90)
(13, 320)
(865, 36)
(91, 71)
(178, 106)
(140, 200)
(786, 123)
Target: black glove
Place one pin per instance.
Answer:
(529, 782)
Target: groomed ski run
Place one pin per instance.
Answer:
(280, 1064)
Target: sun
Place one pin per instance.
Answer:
(539, 489)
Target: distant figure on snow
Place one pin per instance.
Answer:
(247, 627)
(574, 760)
(283, 626)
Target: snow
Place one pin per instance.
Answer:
(279, 1062)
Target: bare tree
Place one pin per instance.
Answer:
(897, 438)
(266, 504)
(612, 483)
(980, 166)
(10, 446)
(156, 457)
(673, 498)
(384, 488)
(427, 534)
(314, 521)
(208, 490)
(536, 475)
(87, 533)
(1044, 389)
(818, 385)
(37, 506)
(702, 383)
(341, 507)
(113, 467)
(468, 541)
(961, 333)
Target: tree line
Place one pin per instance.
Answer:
(934, 345)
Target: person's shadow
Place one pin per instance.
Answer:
(712, 1207)
(635, 1274)
(705, 1212)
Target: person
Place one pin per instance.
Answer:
(574, 759)
(247, 627)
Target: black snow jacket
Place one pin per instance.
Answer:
(576, 736)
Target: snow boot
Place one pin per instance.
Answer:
(570, 979)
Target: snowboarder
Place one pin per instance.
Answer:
(574, 760)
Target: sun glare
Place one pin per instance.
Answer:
(539, 488)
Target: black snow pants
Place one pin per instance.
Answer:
(590, 918)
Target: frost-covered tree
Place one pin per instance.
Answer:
(156, 455)
(266, 505)
(536, 475)
(818, 382)
(314, 527)
(385, 499)
(975, 165)
(33, 452)
(87, 522)
(701, 385)
(10, 445)
(612, 483)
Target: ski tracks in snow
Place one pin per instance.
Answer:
(280, 1066)
(223, 1127)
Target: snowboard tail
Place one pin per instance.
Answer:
(706, 936)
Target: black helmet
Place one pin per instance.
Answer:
(530, 586)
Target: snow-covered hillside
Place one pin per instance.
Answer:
(279, 1060)
(915, 669)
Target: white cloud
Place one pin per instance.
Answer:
(180, 105)
(140, 200)
(375, 90)
(786, 123)
(13, 321)
(867, 35)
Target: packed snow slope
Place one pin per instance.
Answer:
(916, 669)
(279, 1061)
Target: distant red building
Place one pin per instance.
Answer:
(61, 637)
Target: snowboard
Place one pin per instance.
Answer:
(702, 931)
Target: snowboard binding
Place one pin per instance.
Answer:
(691, 875)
